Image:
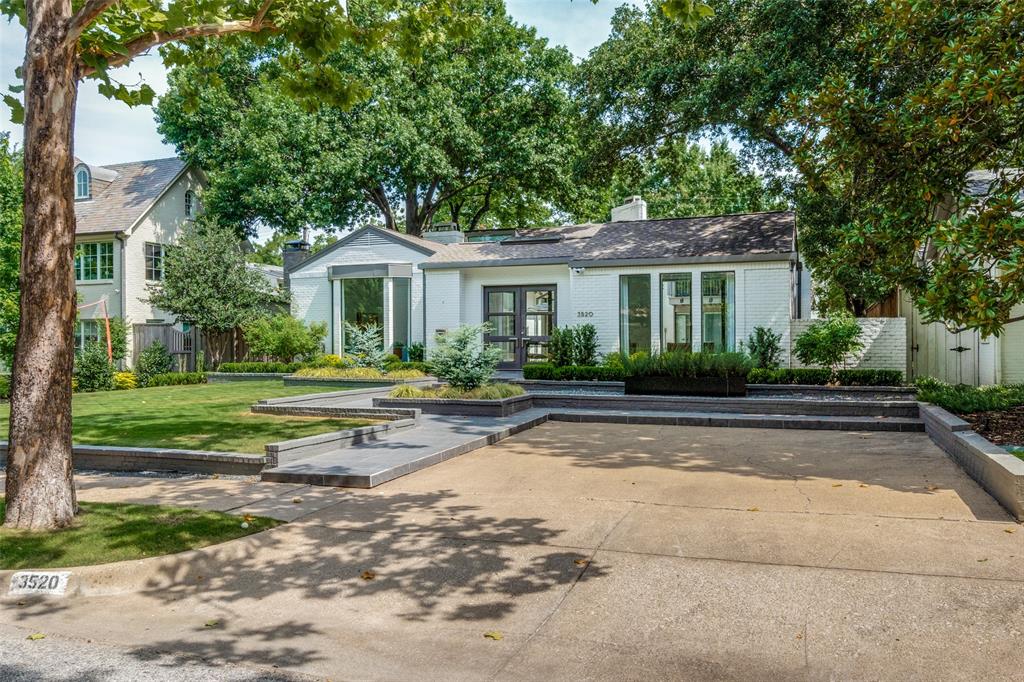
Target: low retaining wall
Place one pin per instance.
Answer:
(228, 377)
(867, 392)
(291, 450)
(472, 408)
(116, 458)
(995, 469)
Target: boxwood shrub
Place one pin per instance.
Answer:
(822, 377)
(969, 399)
(176, 379)
(259, 367)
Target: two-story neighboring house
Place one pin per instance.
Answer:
(127, 214)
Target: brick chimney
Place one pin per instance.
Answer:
(294, 253)
(634, 208)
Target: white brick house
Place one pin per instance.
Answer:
(127, 214)
(695, 283)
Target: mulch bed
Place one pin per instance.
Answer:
(1002, 427)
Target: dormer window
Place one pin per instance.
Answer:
(82, 189)
(190, 204)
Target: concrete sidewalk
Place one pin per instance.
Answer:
(595, 552)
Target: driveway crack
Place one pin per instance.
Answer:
(558, 605)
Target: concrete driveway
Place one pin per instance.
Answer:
(586, 551)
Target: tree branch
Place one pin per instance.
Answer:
(85, 16)
(150, 40)
(261, 13)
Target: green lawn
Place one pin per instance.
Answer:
(104, 533)
(201, 417)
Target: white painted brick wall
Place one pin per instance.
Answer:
(311, 290)
(884, 339)
(444, 302)
(762, 299)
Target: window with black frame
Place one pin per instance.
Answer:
(718, 311)
(635, 313)
(676, 312)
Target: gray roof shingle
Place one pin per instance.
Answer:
(129, 195)
(744, 235)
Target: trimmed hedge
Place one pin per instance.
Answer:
(545, 371)
(395, 366)
(176, 379)
(822, 377)
(969, 399)
(259, 367)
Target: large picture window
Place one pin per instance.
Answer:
(635, 313)
(401, 311)
(155, 261)
(363, 301)
(718, 311)
(676, 312)
(94, 261)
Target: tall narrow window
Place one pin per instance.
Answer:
(676, 312)
(94, 261)
(635, 313)
(155, 262)
(362, 302)
(82, 184)
(190, 204)
(718, 311)
(401, 312)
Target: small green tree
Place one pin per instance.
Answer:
(763, 346)
(365, 345)
(284, 338)
(462, 358)
(208, 284)
(828, 342)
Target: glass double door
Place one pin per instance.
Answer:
(521, 319)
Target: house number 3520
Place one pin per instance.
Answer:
(584, 313)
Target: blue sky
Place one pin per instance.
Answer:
(110, 132)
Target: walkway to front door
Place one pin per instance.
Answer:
(521, 320)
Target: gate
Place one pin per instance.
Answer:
(181, 345)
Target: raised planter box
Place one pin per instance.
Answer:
(475, 408)
(726, 387)
(995, 469)
(292, 380)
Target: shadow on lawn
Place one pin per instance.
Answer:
(214, 434)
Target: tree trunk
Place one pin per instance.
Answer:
(412, 212)
(40, 490)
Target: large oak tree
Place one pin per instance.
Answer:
(478, 126)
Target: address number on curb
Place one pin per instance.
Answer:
(39, 582)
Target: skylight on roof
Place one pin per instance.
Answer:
(539, 239)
